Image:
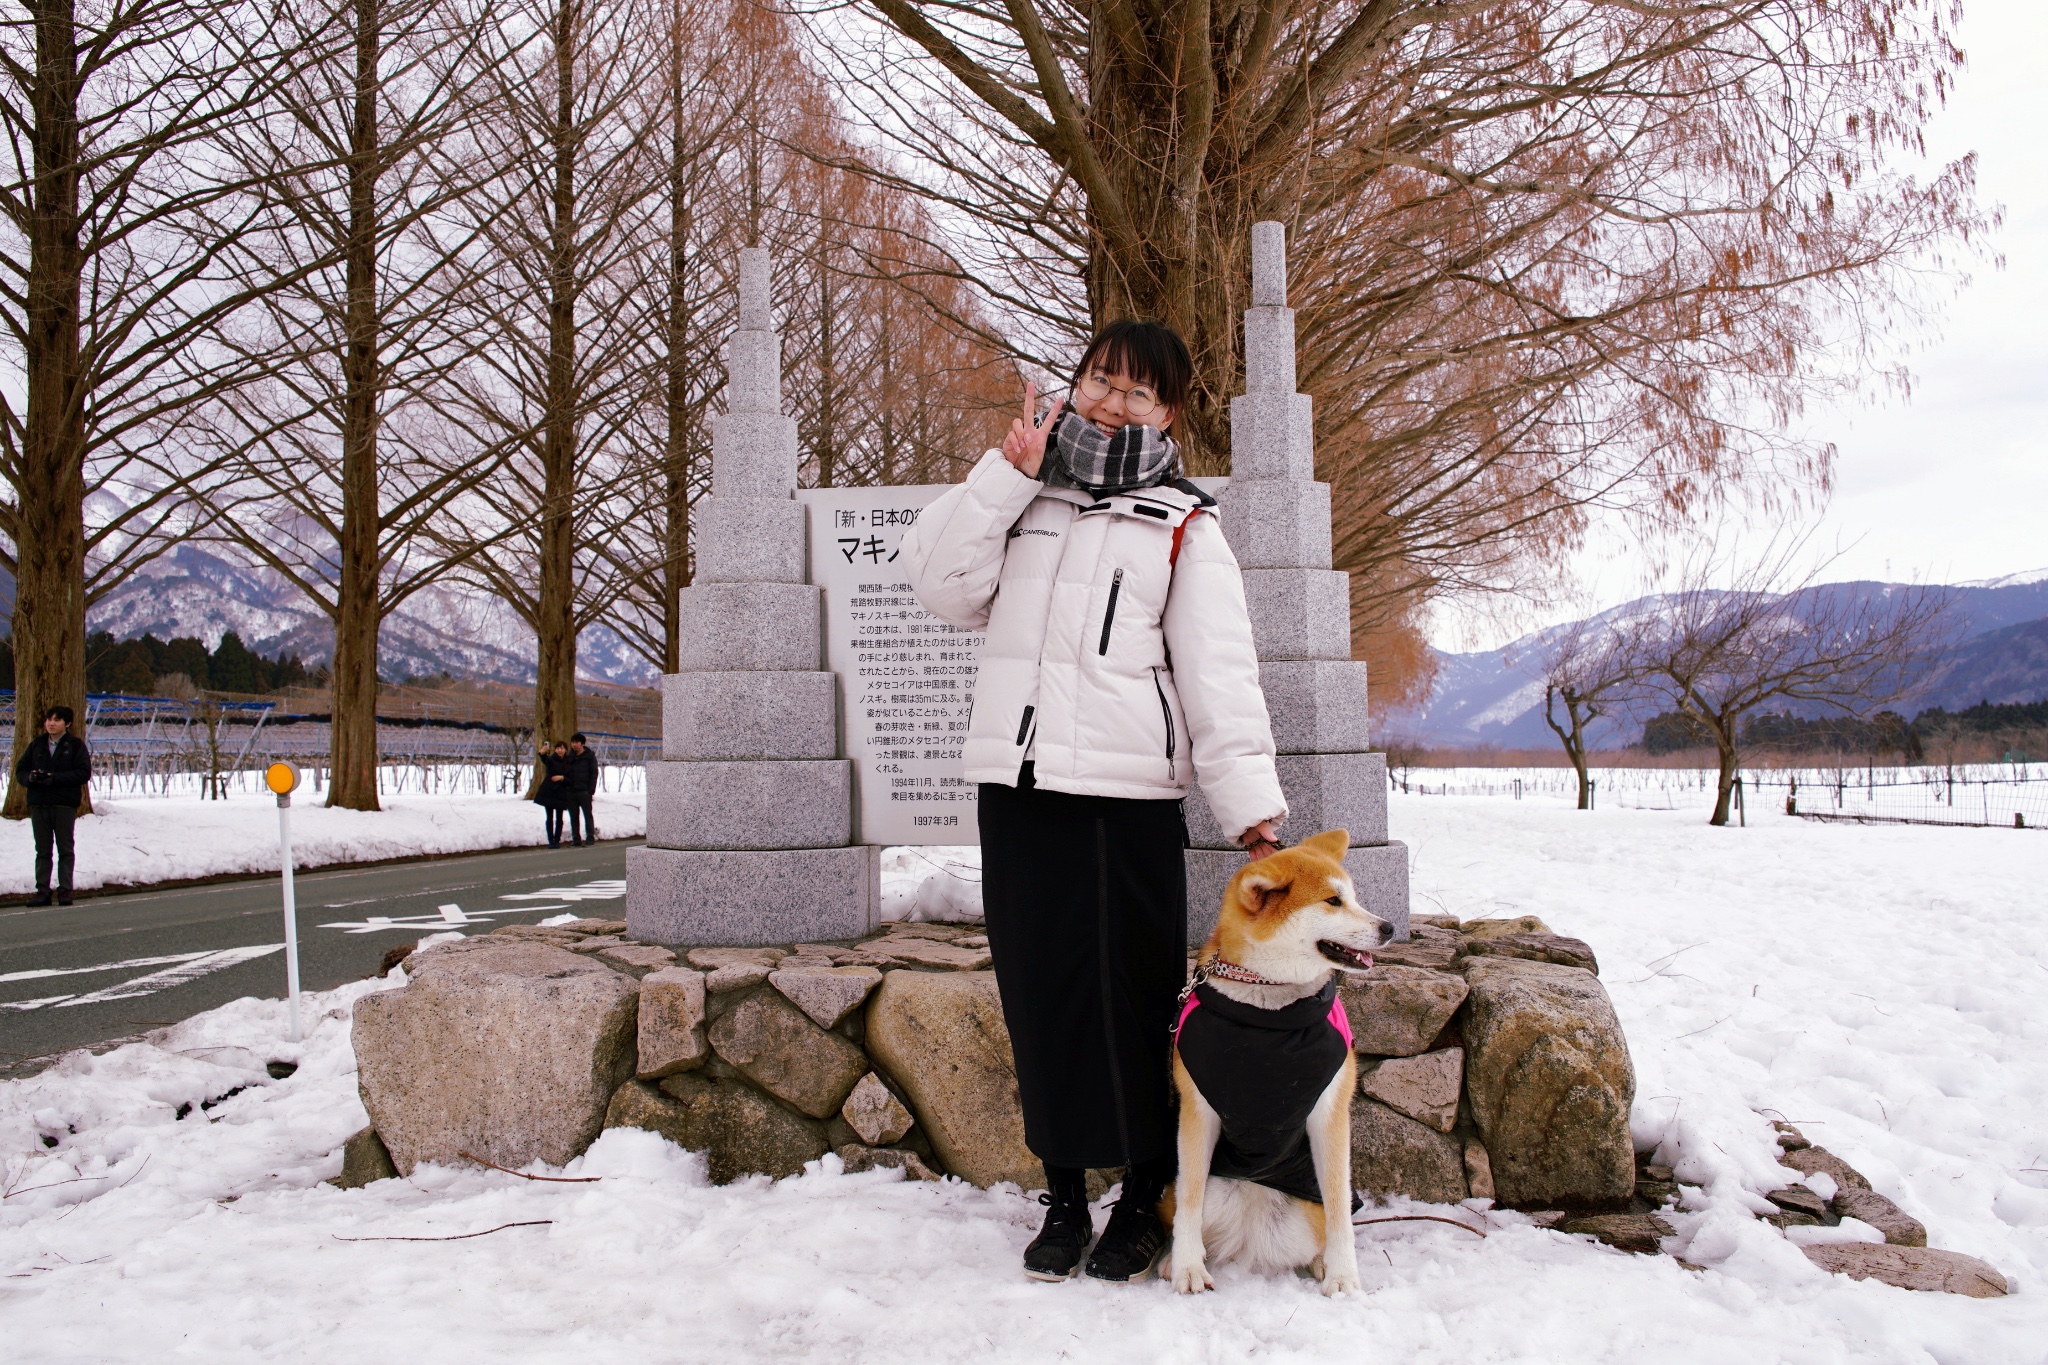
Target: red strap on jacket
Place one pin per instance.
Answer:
(1173, 555)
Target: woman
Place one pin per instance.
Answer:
(1118, 666)
(555, 796)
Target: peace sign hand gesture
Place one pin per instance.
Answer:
(1024, 447)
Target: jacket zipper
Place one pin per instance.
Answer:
(1024, 726)
(1116, 585)
(1166, 712)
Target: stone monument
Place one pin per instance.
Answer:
(753, 816)
(750, 810)
(1277, 520)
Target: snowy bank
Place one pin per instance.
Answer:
(1881, 987)
(140, 840)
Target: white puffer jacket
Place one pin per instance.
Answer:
(1118, 671)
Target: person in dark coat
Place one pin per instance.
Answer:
(554, 788)
(55, 769)
(582, 790)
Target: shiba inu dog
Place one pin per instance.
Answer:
(1264, 1066)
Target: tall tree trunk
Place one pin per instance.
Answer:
(675, 574)
(49, 602)
(827, 443)
(554, 698)
(358, 608)
(1724, 742)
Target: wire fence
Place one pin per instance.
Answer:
(166, 746)
(2002, 795)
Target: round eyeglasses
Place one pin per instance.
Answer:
(1139, 400)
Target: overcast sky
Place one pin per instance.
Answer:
(1951, 485)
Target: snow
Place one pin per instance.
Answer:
(139, 840)
(1882, 987)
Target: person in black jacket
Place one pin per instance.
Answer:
(582, 790)
(55, 768)
(554, 788)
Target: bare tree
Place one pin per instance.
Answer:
(1547, 257)
(340, 461)
(558, 374)
(1589, 671)
(114, 114)
(1735, 637)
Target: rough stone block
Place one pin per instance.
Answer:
(1424, 1088)
(1550, 1083)
(756, 289)
(1398, 1011)
(1379, 872)
(1900, 1228)
(1269, 349)
(875, 1114)
(749, 716)
(1317, 706)
(1640, 1233)
(751, 898)
(1427, 946)
(1947, 1272)
(740, 1130)
(1809, 1159)
(1299, 613)
(636, 959)
(1272, 436)
(753, 454)
(827, 994)
(1393, 1154)
(671, 1022)
(858, 1158)
(753, 372)
(1277, 523)
(805, 803)
(940, 1037)
(1566, 952)
(1324, 791)
(364, 1160)
(503, 1048)
(775, 1045)
(751, 627)
(751, 540)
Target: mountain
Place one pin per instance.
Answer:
(191, 591)
(1495, 697)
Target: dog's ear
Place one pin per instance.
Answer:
(1331, 843)
(1260, 888)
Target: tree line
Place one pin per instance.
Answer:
(378, 294)
(386, 293)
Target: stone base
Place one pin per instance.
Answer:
(1324, 791)
(1379, 872)
(1299, 613)
(766, 804)
(750, 715)
(721, 898)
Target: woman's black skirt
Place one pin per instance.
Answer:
(1087, 907)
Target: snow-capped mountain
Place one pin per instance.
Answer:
(468, 634)
(1495, 697)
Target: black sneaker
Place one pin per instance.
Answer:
(1130, 1246)
(63, 898)
(1056, 1252)
(39, 898)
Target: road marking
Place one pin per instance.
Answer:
(607, 890)
(191, 968)
(453, 914)
(42, 972)
(374, 923)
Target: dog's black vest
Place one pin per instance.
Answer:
(1263, 1071)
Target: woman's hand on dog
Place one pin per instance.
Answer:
(1260, 841)
(1024, 447)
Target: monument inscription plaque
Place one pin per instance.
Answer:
(906, 678)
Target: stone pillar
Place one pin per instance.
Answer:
(750, 811)
(1277, 519)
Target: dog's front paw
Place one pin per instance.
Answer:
(1337, 1281)
(1190, 1275)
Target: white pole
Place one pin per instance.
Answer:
(291, 910)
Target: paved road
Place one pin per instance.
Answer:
(120, 965)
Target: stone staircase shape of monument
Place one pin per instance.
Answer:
(750, 812)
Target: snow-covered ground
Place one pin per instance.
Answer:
(137, 840)
(1885, 988)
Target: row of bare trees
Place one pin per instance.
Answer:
(1735, 638)
(382, 294)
